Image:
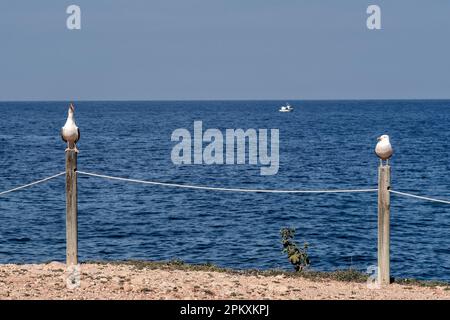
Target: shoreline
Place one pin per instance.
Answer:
(176, 280)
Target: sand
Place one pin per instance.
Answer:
(126, 281)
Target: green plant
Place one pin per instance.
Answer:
(298, 257)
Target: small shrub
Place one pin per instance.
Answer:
(298, 257)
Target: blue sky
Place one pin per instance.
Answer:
(224, 49)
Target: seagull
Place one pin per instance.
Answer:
(70, 132)
(384, 149)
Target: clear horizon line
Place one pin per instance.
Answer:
(194, 100)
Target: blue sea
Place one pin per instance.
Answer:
(323, 145)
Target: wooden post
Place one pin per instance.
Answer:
(384, 204)
(71, 209)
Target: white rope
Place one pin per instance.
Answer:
(419, 197)
(222, 189)
(31, 184)
(218, 188)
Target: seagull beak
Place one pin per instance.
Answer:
(379, 138)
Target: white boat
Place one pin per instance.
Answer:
(286, 108)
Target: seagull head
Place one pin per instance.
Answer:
(384, 137)
(71, 110)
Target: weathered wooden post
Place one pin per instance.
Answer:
(71, 208)
(384, 204)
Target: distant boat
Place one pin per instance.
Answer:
(286, 108)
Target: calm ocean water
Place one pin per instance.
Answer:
(323, 144)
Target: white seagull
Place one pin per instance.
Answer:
(70, 132)
(384, 149)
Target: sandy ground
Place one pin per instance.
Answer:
(122, 281)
